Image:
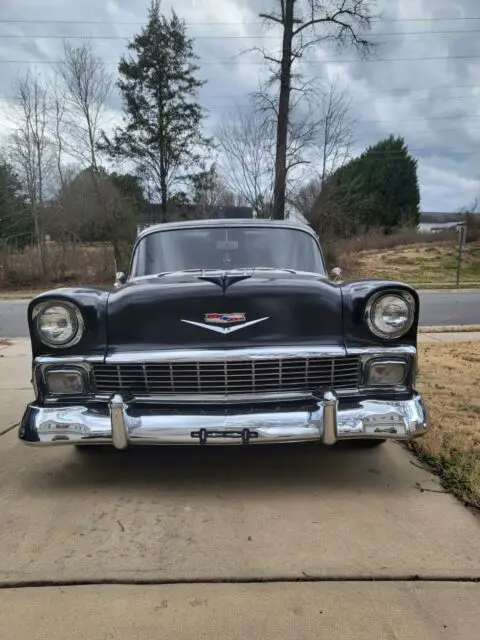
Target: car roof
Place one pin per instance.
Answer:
(227, 222)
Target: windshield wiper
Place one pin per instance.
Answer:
(267, 269)
(169, 273)
(219, 270)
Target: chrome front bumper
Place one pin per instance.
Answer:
(328, 423)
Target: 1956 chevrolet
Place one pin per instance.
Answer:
(224, 332)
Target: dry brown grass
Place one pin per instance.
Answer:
(376, 240)
(449, 380)
(418, 263)
(74, 264)
(345, 252)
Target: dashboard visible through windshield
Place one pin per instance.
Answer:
(226, 248)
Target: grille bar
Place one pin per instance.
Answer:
(225, 378)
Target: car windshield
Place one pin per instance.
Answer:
(226, 248)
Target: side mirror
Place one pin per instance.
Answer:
(336, 274)
(120, 278)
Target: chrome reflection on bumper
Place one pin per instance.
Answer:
(328, 423)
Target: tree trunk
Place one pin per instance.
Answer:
(283, 115)
(164, 194)
(324, 163)
(40, 238)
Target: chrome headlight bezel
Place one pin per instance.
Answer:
(75, 316)
(376, 299)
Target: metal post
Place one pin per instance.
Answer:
(461, 241)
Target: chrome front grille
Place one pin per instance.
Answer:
(227, 378)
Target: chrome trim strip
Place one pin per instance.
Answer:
(231, 355)
(406, 350)
(256, 353)
(327, 423)
(219, 398)
(75, 360)
(199, 399)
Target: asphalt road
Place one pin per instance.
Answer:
(445, 308)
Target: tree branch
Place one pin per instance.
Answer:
(273, 18)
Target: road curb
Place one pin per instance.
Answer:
(460, 328)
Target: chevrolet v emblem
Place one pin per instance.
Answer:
(224, 329)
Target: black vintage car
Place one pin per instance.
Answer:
(224, 332)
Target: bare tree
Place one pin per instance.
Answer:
(88, 86)
(57, 127)
(304, 125)
(246, 160)
(305, 24)
(305, 198)
(337, 125)
(208, 189)
(31, 149)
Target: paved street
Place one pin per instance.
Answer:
(440, 309)
(449, 308)
(288, 514)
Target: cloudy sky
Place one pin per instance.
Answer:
(423, 82)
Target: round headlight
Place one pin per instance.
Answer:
(390, 315)
(58, 324)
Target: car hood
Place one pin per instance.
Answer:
(172, 311)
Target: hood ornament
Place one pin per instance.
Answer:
(225, 279)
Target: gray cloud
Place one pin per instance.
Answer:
(434, 104)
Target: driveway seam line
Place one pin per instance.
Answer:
(7, 430)
(26, 584)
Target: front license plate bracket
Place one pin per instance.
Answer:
(245, 435)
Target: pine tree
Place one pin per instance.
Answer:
(15, 217)
(386, 193)
(162, 130)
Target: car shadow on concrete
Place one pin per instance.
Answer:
(206, 470)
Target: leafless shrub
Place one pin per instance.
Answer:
(79, 264)
(377, 240)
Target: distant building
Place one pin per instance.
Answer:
(435, 222)
(176, 212)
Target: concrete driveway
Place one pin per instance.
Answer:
(313, 543)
